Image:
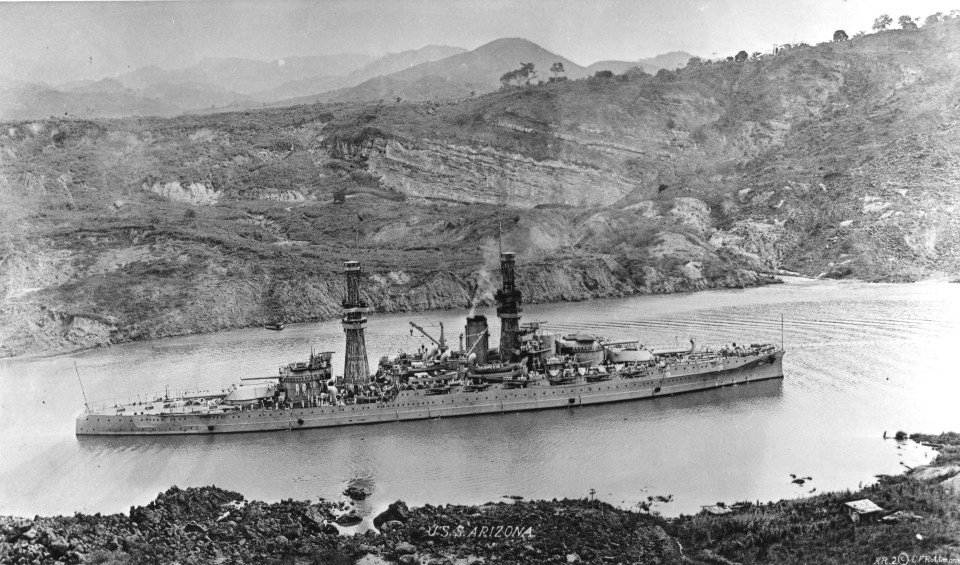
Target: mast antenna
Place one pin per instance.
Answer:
(500, 234)
(85, 403)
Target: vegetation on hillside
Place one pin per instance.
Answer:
(837, 160)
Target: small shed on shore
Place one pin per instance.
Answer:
(862, 510)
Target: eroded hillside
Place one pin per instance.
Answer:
(834, 160)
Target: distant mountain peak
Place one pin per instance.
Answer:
(508, 40)
(518, 43)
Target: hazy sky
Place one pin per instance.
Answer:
(57, 42)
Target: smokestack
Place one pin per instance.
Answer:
(356, 368)
(476, 331)
(508, 308)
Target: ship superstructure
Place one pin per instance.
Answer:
(532, 369)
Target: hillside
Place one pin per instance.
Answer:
(386, 65)
(615, 67)
(396, 62)
(670, 61)
(36, 101)
(837, 160)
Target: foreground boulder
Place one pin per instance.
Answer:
(397, 511)
(357, 493)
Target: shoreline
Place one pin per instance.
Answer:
(767, 280)
(774, 279)
(209, 525)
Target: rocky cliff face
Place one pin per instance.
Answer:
(97, 303)
(485, 175)
(194, 193)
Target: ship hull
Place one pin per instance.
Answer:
(416, 405)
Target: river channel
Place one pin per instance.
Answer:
(861, 359)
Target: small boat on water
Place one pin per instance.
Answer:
(275, 326)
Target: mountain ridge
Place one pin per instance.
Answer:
(222, 84)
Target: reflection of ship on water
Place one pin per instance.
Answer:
(532, 369)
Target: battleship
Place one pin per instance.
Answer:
(532, 369)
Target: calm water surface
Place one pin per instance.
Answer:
(861, 359)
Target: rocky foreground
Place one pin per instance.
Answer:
(210, 525)
(920, 520)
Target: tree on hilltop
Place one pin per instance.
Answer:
(519, 77)
(528, 72)
(933, 19)
(882, 22)
(840, 35)
(906, 22)
(666, 75)
(557, 68)
(741, 57)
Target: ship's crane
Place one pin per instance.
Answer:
(475, 343)
(442, 344)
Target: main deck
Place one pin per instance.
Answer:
(418, 405)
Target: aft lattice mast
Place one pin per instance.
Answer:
(356, 368)
(508, 308)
